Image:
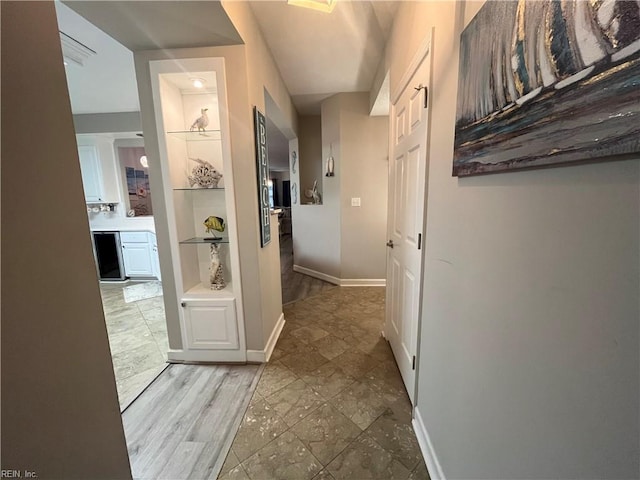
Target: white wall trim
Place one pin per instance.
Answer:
(256, 356)
(342, 282)
(263, 356)
(363, 282)
(429, 454)
(314, 274)
(273, 338)
(420, 55)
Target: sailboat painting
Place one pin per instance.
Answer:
(547, 82)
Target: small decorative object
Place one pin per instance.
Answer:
(330, 162)
(294, 193)
(204, 175)
(201, 122)
(214, 224)
(313, 193)
(294, 159)
(216, 276)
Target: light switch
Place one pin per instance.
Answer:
(355, 202)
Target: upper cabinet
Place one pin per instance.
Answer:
(98, 166)
(197, 175)
(91, 174)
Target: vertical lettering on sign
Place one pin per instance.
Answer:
(262, 171)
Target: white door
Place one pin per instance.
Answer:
(407, 202)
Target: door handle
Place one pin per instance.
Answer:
(390, 243)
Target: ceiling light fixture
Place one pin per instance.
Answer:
(74, 51)
(326, 6)
(198, 82)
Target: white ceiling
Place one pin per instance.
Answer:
(107, 81)
(320, 54)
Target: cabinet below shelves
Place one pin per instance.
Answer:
(211, 324)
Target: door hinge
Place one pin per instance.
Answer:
(419, 241)
(413, 366)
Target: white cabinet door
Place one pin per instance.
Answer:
(137, 259)
(211, 324)
(91, 174)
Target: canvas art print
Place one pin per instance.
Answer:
(546, 82)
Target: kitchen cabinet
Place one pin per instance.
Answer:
(138, 254)
(91, 174)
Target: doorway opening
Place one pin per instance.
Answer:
(283, 161)
(103, 92)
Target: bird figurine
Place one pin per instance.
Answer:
(201, 122)
(214, 224)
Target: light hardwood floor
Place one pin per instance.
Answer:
(182, 426)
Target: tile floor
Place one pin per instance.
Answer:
(330, 404)
(137, 337)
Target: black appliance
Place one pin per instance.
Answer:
(108, 253)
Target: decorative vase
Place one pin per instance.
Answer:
(216, 277)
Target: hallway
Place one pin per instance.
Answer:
(296, 286)
(330, 403)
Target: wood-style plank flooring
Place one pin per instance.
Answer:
(181, 427)
(296, 286)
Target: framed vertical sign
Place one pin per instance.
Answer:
(262, 161)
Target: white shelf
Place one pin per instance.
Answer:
(204, 292)
(195, 136)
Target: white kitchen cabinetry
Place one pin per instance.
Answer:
(91, 174)
(138, 254)
(211, 321)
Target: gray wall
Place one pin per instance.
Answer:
(310, 160)
(528, 363)
(364, 174)
(316, 228)
(334, 238)
(60, 412)
(107, 122)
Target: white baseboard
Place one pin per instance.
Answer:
(429, 454)
(363, 282)
(342, 282)
(314, 274)
(263, 356)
